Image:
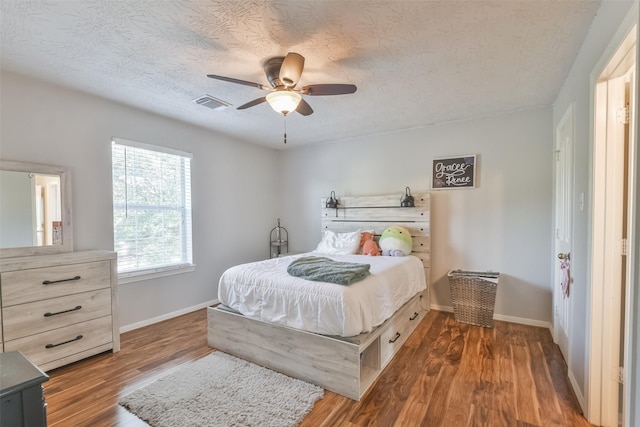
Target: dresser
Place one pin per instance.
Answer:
(59, 308)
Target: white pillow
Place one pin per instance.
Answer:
(339, 243)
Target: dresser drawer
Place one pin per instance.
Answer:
(60, 343)
(401, 326)
(40, 316)
(19, 287)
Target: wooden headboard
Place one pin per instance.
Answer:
(379, 212)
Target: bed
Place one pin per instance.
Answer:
(265, 291)
(339, 337)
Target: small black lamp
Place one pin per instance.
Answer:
(332, 202)
(407, 200)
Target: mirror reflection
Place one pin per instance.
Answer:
(30, 209)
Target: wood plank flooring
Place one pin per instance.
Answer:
(447, 374)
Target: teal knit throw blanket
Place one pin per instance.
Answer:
(321, 269)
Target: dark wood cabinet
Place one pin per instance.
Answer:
(21, 396)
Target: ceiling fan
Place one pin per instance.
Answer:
(283, 73)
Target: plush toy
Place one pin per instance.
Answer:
(396, 241)
(369, 246)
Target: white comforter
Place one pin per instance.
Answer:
(265, 291)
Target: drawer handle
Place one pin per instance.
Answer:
(78, 338)
(395, 338)
(414, 316)
(76, 308)
(51, 282)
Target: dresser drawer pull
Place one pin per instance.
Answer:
(51, 282)
(78, 338)
(76, 308)
(414, 316)
(395, 338)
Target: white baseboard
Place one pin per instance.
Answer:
(166, 316)
(449, 309)
(577, 391)
(438, 307)
(512, 319)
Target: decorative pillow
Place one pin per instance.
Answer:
(396, 241)
(368, 246)
(339, 243)
(362, 234)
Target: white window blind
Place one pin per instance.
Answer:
(151, 208)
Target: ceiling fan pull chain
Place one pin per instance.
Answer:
(285, 129)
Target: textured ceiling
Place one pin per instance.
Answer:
(415, 63)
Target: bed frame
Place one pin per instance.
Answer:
(347, 366)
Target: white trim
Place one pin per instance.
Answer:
(576, 390)
(628, 391)
(439, 307)
(525, 321)
(504, 318)
(167, 316)
(595, 270)
(151, 147)
(140, 275)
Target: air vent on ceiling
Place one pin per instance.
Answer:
(211, 102)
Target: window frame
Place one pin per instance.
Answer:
(160, 271)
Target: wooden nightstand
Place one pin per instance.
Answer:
(21, 395)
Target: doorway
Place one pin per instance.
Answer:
(614, 172)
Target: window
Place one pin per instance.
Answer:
(151, 209)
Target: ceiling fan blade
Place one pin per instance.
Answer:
(328, 89)
(272, 70)
(238, 81)
(304, 108)
(252, 103)
(291, 69)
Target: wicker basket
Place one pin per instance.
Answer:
(474, 295)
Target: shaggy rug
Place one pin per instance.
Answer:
(222, 390)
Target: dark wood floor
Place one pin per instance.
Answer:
(447, 374)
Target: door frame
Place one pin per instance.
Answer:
(597, 386)
(632, 360)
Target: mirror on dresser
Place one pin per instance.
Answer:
(35, 209)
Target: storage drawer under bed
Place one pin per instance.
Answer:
(397, 331)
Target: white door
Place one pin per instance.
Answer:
(563, 232)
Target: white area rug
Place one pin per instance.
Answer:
(222, 390)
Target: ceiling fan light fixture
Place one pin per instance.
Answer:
(284, 101)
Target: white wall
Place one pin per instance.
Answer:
(576, 88)
(234, 192)
(504, 224)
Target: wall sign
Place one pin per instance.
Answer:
(454, 172)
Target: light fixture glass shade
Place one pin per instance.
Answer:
(284, 101)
